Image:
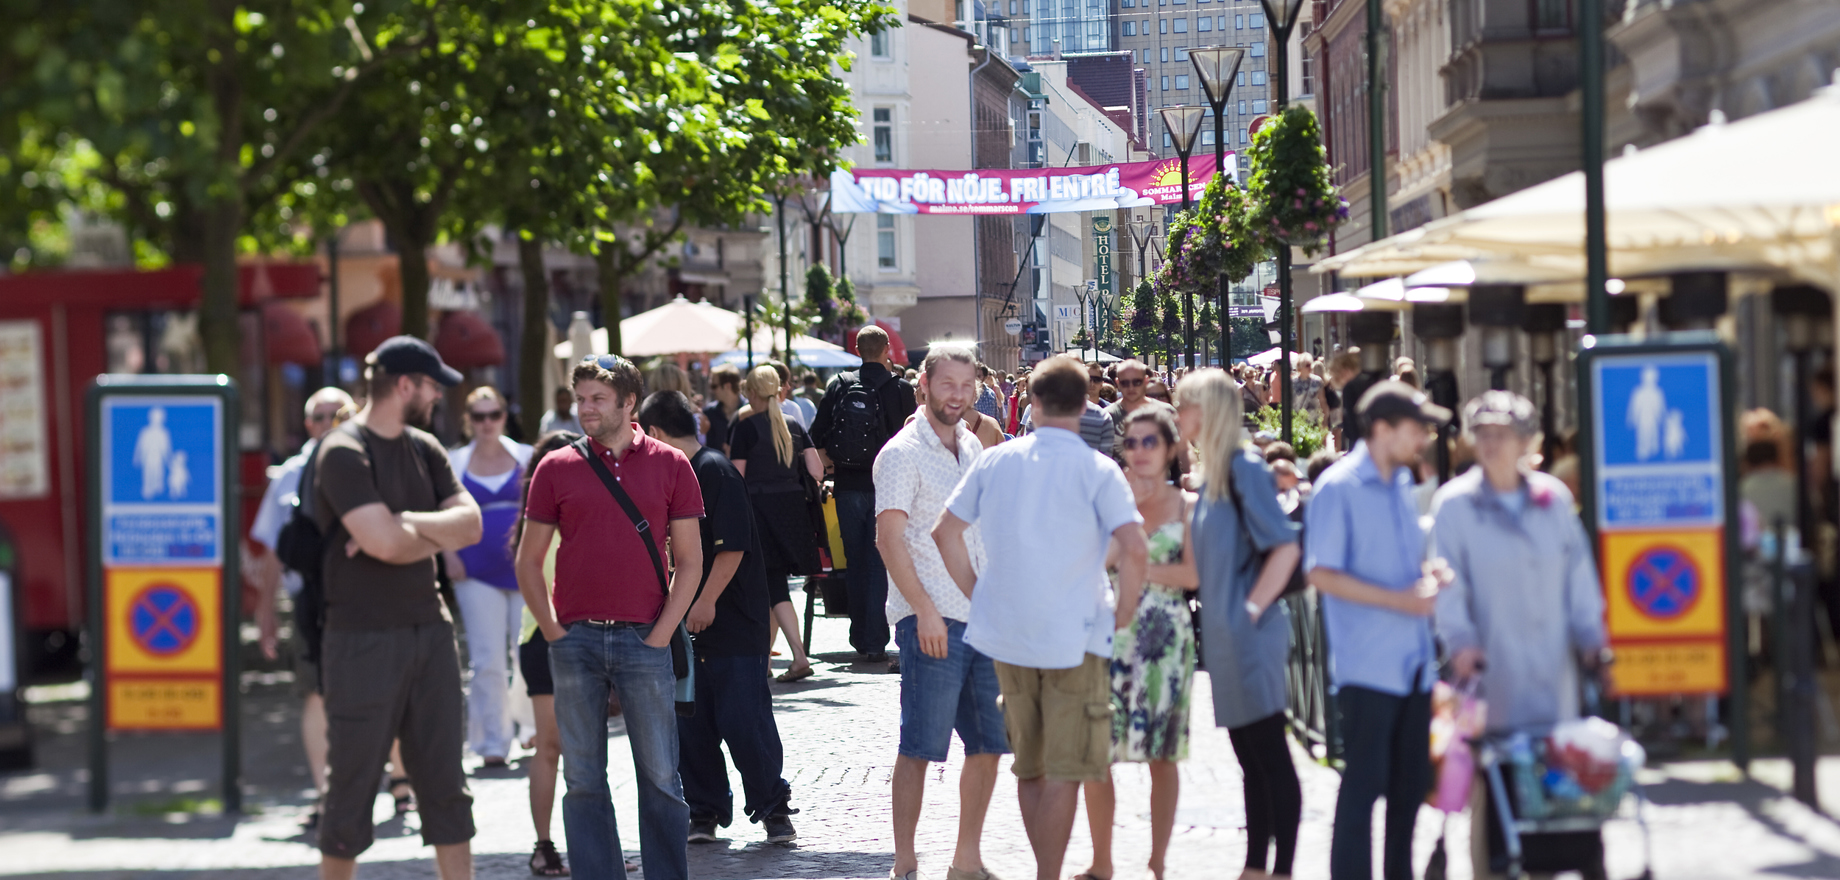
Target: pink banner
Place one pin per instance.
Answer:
(1020, 191)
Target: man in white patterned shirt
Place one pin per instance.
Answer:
(945, 683)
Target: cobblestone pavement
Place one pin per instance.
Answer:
(840, 734)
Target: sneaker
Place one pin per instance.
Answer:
(894, 665)
(703, 831)
(779, 828)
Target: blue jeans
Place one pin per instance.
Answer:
(939, 695)
(866, 577)
(586, 663)
(733, 706)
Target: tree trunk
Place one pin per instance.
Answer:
(608, 276)
(412, 262)
(533, 350)
(217, 315)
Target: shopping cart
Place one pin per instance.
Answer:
(1533, 796)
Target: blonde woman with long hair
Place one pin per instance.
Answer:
(1245, 550)
(768, 448)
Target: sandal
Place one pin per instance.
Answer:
(546, 861)
(794, 674)
(405, 803)
(312, 820)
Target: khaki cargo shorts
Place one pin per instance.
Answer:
(1059, 720)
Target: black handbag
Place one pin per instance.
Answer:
(680, 639)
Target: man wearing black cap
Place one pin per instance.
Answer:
(387, 501)
(1378, 598)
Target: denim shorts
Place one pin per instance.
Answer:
(940, 695)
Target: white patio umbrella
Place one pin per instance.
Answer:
(1763, 192)
(676, 327)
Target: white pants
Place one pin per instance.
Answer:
(492, 617)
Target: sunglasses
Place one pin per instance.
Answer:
(1094, 380)
(607, 361)
(318, 417)
(1146, 443)
(490, 416)
(1130, 383)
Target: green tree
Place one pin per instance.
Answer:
(191, 111)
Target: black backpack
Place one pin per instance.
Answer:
(860, 426)
(301, 547)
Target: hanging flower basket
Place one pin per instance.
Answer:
(1212, 239)
(1297, 202)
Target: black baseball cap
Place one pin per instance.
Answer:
(407, 355)
(1393, 399)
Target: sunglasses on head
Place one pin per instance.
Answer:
(1146, 443)
(489, 416)
(606, 361)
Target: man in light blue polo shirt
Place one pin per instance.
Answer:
(1378, 598)
(1039, 609)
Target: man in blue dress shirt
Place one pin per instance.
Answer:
(1378, 597)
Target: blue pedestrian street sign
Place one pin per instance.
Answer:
(1659, 439)
(162, 465)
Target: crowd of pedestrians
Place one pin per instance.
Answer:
(1066, 547)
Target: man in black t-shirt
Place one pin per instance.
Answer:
(728, 622)
(854, 489)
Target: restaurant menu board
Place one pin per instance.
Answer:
(24, 455)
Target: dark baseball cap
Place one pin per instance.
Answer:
(407, 355)
(1392, 399)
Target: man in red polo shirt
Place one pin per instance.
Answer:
(611, 620)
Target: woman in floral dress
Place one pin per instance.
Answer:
(1153, 659)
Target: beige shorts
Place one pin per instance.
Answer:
(1059, 720)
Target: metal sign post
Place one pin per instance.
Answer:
(163, 580)
(1660, 489)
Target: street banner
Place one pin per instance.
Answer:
(1102, 253)
(1660, 480)
(1020, 190)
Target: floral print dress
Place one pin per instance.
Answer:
(1153, 663)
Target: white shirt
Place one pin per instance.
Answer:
(278, 507)
(1048, 505)
(792, 411)
(915, 474)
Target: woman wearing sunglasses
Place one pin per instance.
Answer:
(485, 582)
(1153, 659)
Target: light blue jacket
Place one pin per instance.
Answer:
(1526, 593)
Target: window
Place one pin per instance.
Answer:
(1204, 23)
(1258, 77)
(1165, 51)
(884, 242)
(1130, 29)
(1025, 7)
(1309, 75)
(1552, 15)
(1207, 137)
(1258, 106)
(1239, 22)
(1242, 108)
(1144, 54)
(1257, 50)
(884, 134)
(1181, 81)
(1025, 35)
(1128, 3)
(1242, 138)
(1182, 25)
(1012, 7)
(1162, 25)
(1015, 35)
(1181, 53)
(1242, 79)
(1165, 84)
(1222, 25)
(1166, 143)
(878, 45)
(1258, 20)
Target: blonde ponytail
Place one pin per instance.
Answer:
(762, 387)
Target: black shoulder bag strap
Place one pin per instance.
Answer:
(680, 660)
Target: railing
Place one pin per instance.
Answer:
(1311, 712)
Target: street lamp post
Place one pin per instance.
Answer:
(1142, 229)
(1183, 122)
(1280, 27)
(1217, 66)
